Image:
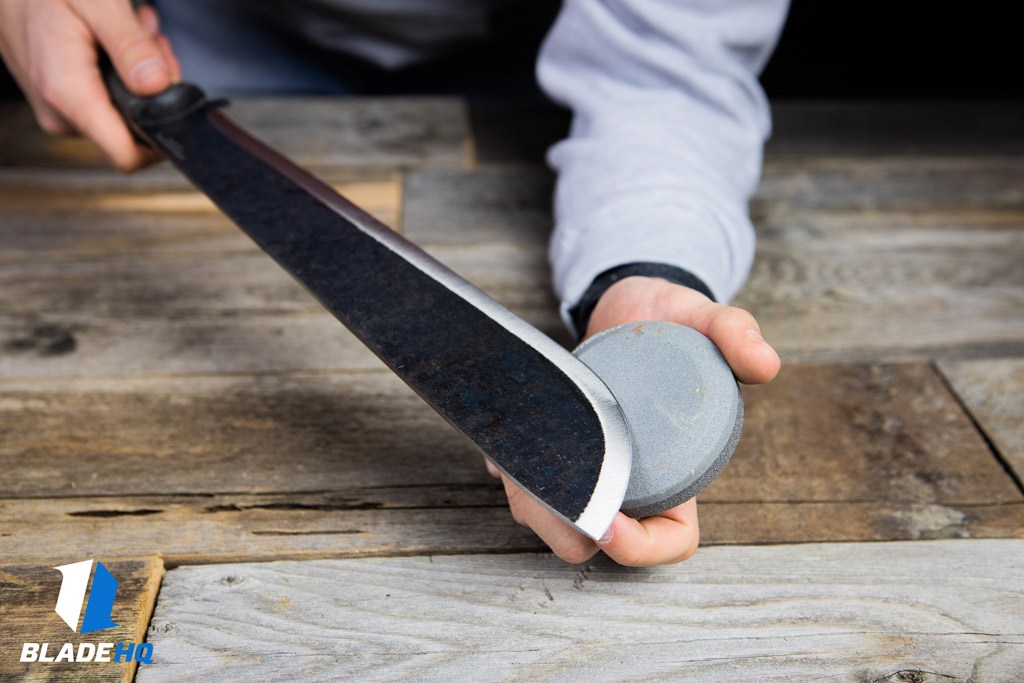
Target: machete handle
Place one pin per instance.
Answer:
(174, 103)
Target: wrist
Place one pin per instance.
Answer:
(584, 308)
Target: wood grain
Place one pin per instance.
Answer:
(859, 433)
(828, 284)
(426, 519)
(818, 433)
(28, 593)
(495, 204)
(850, 612)
(299, 465)
(892, 182)
(315, 132)
(993, 392)
(88, 215)
(219, 310)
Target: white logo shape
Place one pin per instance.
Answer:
(72, 591)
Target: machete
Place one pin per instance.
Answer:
(539, 414)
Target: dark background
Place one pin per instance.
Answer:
(870, 49)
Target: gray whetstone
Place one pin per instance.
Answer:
(681, 402)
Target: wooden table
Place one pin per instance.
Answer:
(172, 404)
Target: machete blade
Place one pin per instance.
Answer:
(541, 416)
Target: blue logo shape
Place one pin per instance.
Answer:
(72, 595)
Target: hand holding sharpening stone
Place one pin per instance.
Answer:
(681, 402)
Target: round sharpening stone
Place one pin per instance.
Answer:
(682, 405)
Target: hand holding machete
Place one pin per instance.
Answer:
(51, 48)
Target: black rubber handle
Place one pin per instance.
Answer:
(177, 102)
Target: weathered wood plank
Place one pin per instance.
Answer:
(28, 593)
(896, 128)
(859, 433)
(212, 311)
(801, 197)
(316, 132)
(828, 284)
(893, 182)
(246, 434)
(426, 519)
(207, 468)
(835, 299)
(851, 612)
(496, 204)
(993, 391)
(818, 433)
(892, 264)
(91, 218)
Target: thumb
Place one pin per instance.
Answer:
(132, 48)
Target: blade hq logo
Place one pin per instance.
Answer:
(98, 609)
(72, 595)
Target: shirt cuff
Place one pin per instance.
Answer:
(581, 312)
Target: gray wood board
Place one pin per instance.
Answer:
(424, 519)
(214, 311)
(223, 468)
(817, 433)
(839, 296)
(878, 279)
(948, 610)
(491, 204)
(993, 392)
(921, 183)
(316, 132)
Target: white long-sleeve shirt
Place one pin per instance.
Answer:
(668, 125)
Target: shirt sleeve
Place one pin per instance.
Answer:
(665, 149)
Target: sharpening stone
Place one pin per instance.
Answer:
(682, 404)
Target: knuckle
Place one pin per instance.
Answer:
(574, 554)
(516, 514)
(51, 123)
(131, 48)
(49, 91)
(631, 557)
(687, 553)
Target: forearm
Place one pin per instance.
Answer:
(665, 148)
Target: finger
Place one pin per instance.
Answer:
(733, 330)
(150, 21)
(172, 61)
(132, 50)
(738, 336)
(69, 83)
(491, 469)
(48, 118)
(564, 541)
(667, 538)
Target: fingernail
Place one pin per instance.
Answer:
(149, 72)
(753, 335)
(607, 538)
